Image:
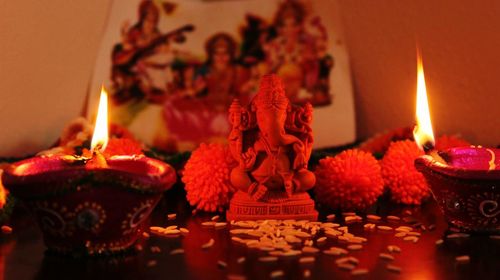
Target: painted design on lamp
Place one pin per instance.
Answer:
(136, 216)
(487, 205)
(89, 216)
(50, 218)
(491, 163)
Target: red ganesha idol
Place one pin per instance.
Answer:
(272, 141)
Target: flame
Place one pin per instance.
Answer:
(423, 134)
(100, 136)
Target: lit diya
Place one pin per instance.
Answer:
(465, 181)
(90, 205)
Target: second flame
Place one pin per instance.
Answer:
(100, 136)
(423, 133)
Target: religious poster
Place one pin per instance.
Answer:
(172, 68)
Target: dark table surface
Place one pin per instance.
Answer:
(22, 253)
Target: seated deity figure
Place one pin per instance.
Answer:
(272, 141)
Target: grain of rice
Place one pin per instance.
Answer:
(184, 230)
(268, 259)
(145, 235)
(221, 264)
(414, 239)
(277, 274)
(155, 249)
(303, 234)
(215, 218)
(457, 235)
(343, 238)
(236, 239)
(359, 271)
(439, 241)
(241, 260)
(236, 277)
(369, 226)
(393, 268)
(239, 231)
(220, 225)
(171, 216)
(495, 237)
(309, 249)
(346, 266)
(291, 253)
(330, 217)
(373, 217)
(209, 244)
(304, 260)
(171, 231)
(342, 260)
(348, 214)
(331, 252)
(386, 228)
(307, 273)
(355, 247)
(357, 239)
(386, 256)
(208, 224)
(151, 263)
(321, 239)
(432, 227)
(400, 234)
(177, 251)
(407, 212)
(414, 233)
(463, 259)
(393, 249)
(156, 228)
(344, 229)
(393, 218)
(348, 219)
(266, 249)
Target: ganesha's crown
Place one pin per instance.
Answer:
(271, 94)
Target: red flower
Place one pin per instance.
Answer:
(446, 142)
(350, 180)
(406, 184)
(206, 177)
(122, 146)
(379, 143)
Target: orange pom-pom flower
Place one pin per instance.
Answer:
(350, 180)
(206, 177)
(123, 146)
(406, 184)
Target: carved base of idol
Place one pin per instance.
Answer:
(274, 206)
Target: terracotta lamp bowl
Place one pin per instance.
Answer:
(85, 210)
(466, 186)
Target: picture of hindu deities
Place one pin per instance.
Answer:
(142, 60)
(297, 53)
(128, 73)
(220, 76)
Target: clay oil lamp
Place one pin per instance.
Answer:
(90, 206)
(465, 181)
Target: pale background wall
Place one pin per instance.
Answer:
(47, 49)
(460, 42)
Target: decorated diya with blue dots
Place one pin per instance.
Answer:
(465, 182)
(88, 209)
(90, 205)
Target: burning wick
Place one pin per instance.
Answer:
(100, 136)
(423, 132)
